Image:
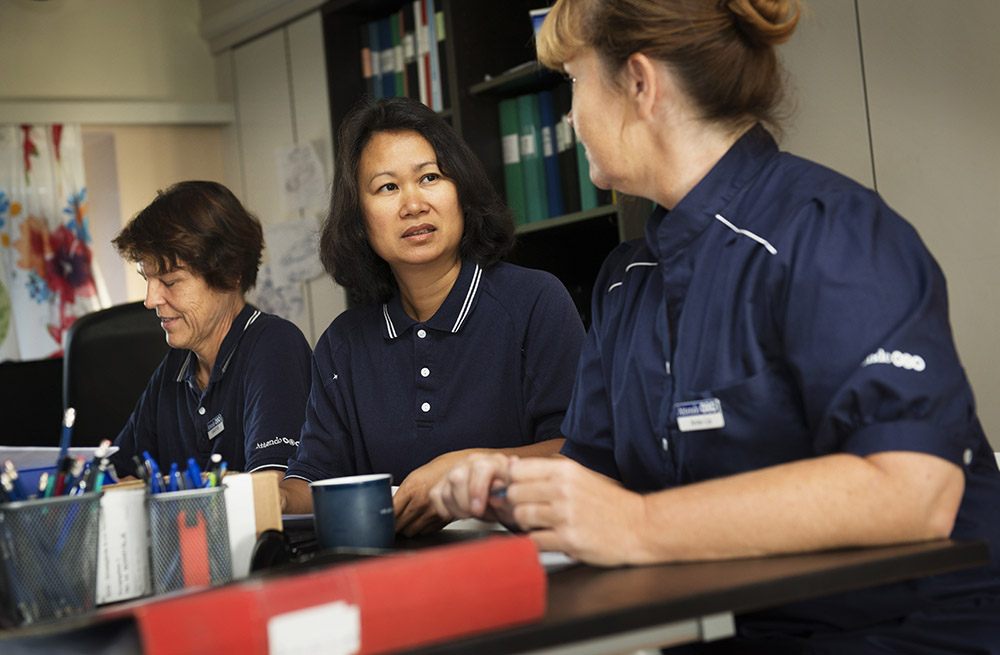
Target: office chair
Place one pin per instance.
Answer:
(110, 356)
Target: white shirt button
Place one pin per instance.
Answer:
(426, 407)
(665, 443)
(421, 333)
(967, 456)
(424, 372)
(201, 410)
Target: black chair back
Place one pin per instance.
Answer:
(110, 356)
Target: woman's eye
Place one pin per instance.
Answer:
(388, 186)
(430, 177)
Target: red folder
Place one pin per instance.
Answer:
(403, 600)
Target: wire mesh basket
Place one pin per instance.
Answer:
(190, 539)
(48, 550)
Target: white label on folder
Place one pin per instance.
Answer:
(700, 415)
(528, 144)
(548, 148)
(331, 629)
(511, 150)
(215, 426)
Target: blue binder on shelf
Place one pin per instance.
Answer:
(550, 155)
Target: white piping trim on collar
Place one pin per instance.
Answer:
(180, 373)
(467, 306)
(771, 249)
(252, 318)
(632, 265)
(388, 321)
(187, 360)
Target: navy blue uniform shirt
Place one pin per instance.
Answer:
(781, 311)
(493, 368)
(251, 411)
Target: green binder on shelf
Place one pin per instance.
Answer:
(588, 192)
(510, 141)
(532, 164)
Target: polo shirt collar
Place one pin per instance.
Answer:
(452, 314)
(670, 231)
(243, 320)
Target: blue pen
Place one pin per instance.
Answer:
(194, 474)
(172, 484)
(8, 494)
(155, 482)
(69, 417)
(15, 481)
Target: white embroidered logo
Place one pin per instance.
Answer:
(897, 359)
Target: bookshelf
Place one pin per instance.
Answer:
(488, 56)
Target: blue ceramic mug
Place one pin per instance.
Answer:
(354, 511)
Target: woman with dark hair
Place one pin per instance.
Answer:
(235, 380)
(771, 369)
(448, 351)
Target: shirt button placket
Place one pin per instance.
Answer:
(425, 391)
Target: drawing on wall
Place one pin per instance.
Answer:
(291, 258)
(304, 183)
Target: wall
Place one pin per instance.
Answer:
(126, 166)
(902, 95)
(278, 84)
(105, 60)
(104, 49)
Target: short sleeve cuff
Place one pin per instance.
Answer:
(914, 436)
(297, 469)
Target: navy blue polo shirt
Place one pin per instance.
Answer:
(781, 311)
(251, 411)
(493, 368)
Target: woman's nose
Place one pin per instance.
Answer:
(153, 297)
(413, 202)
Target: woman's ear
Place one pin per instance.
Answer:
(643, 84)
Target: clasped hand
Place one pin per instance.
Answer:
(561, 504)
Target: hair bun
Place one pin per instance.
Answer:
(765, 22)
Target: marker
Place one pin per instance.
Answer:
(194, 474)
(102, 468)
(96, 471)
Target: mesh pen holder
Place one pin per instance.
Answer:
(190, 539)
(48, 550)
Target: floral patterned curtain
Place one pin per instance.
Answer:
(46, 271)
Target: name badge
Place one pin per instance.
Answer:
(697, 415)
(215, 426)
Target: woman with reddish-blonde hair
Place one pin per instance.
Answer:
(771, 369)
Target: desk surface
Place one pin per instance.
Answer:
(586, 603)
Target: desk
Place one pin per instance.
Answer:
(592, 610)
(599, 611)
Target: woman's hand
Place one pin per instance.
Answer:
(475, 489)
(567, 507)
(412, 503)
